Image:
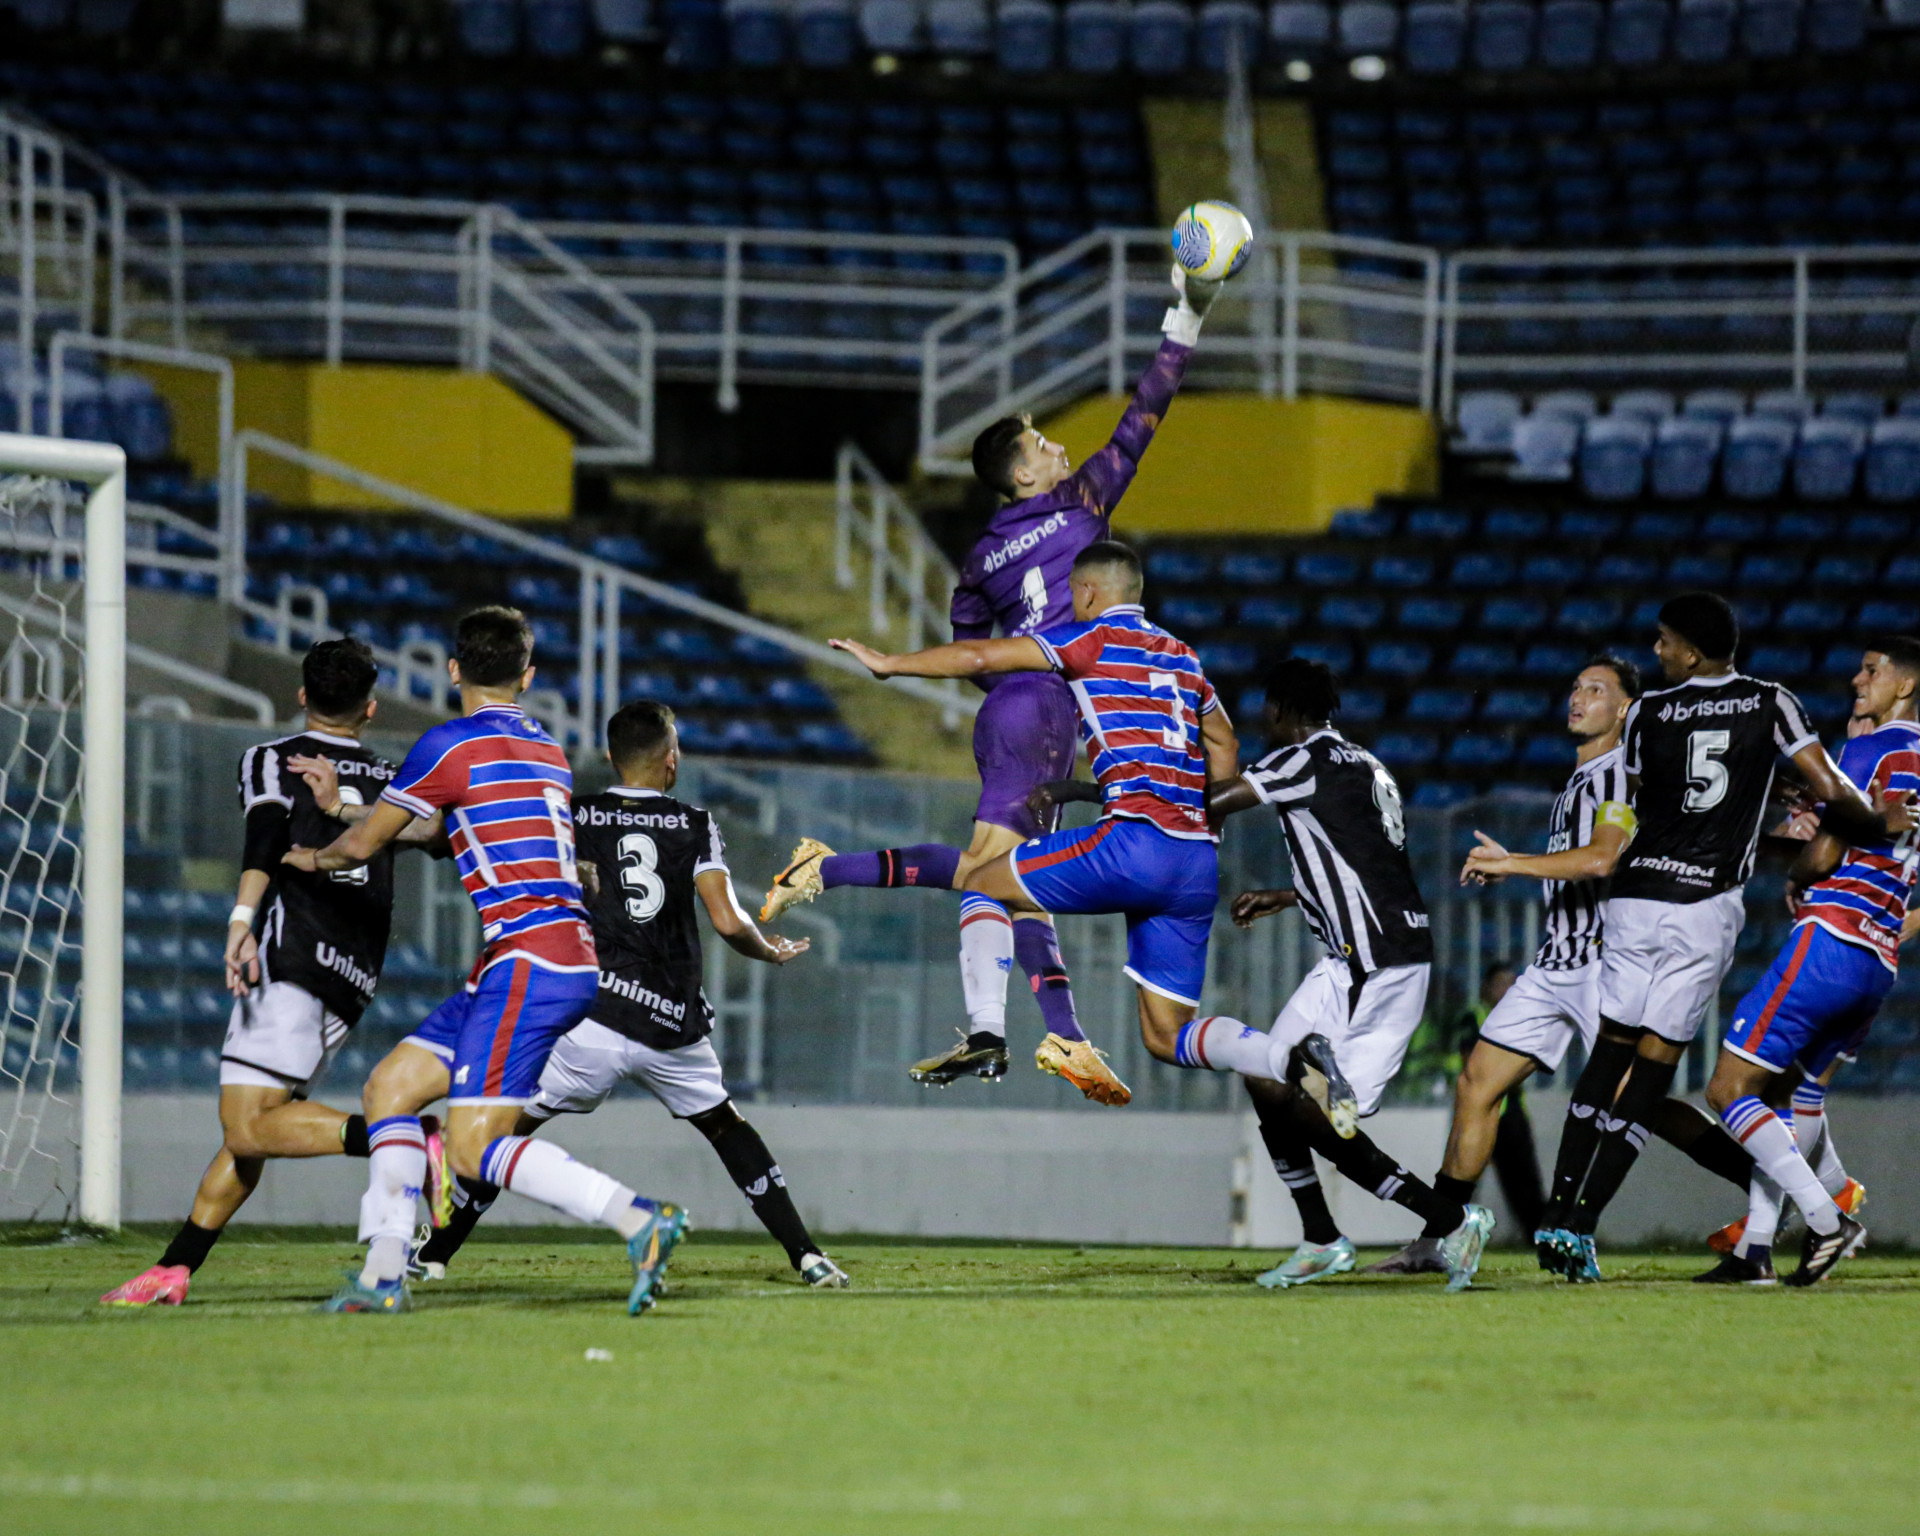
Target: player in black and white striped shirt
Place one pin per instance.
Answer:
(1557, 996)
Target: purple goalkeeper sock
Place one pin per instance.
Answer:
(931, 864)
(1038, 950)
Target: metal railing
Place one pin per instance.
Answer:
(1333, 314)
(603, 587)
(49, 238)
(1765, 318)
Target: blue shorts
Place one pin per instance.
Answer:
(1815, 1003)
(496, 1038)
(1167, 887)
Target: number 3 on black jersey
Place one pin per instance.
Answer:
(639, 872)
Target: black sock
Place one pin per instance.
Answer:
(190, 1245)
(1693, 1131)
(1293, 1161)
(472, 1199)
(1359, 1159)
(1459, 1191)
(353, 1137)
(1627, 1131)
(765, 1187)
(1593, 1096)
(985, 1040)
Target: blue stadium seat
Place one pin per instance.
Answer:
(1861, 405)
(960, 28)
(1770, 29)
(1721, 406)
(556, 29)
(1482, 569)
(1483, 658)
(1026, 36)
(489, 29)
(1637, 32)
(1624, 568)
(1253, 568)
(1368, 27)
(1364, 523)
(1553, 662)
(696, 35)
(1096, 36)
(1440, 706)
(892, 26)
(1897, 616)
(1351, 610)
(1515, 525)
(1512, 615)
(621, 21)
(825, 35)
(1591, 616)
(1551, 570)
(1478, 754)
(1179, 567)
(1281, 613)
(1844, 572)
(1161, 38)
(1399, 658)
(1448, 525)
(1362, 705)
(1893, 460)
(1186, 615)
(1684, 451)
(1401, 571)
(1432, 615)
(1780, 661)
(1873, 528)
(1613, 458)
(1785, 404)
(1337, 655)
(1485, 419)
(1517, 706)
(799, 694)
(1570, 33)
(1753, 464)
(1703, 31)
(1221, 21)
(1232, 658)
(1553, 752)
(1298, 29)
(1433, 39)
(1588, 525)
(1827, 458)
(1323, 568)
(1440, 794)
(1406, 749)
(1544, 447)
(757, 33)
(1699, 568)
(1766, 571)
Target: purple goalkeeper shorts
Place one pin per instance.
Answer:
(1025, 735)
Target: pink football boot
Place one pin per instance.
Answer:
(165, 1285)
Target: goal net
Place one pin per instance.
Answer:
(62, 734)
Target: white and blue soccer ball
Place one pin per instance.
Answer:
(1212, 240)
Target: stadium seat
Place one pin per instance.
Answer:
(1724, 406)
(1182, 567)
(1026, 36)
(1477, 754)
(1703, 31)
(1221, 23)
(825, 35)
(757, 33)
(892, 26)
(1550, 662)
(696, 35)
(556, 29)
(1637, 32)
(1827, 458)
(1786, 404)
(1486, 419)
(1403, 571)
(1844, 572)
(1613, 458)
(1753, 464)
(1096, 36)
(1893, 460)
(960, 28)
(1440, 706)
(1512, 615)
(1544, 446)
(1570, 33)
(1516, 706)
(1408, 659)
(1770, 29)
(1277, 613)
(1325, 569)
(1191, 615)
(1811, 616)
(1433, 38)
(489, 29)
(1432, 615)
(1335, 654)
(1773, 571)
(1481, 570)
(1862, 406)
(1447, 524)
(1516, 525)
(1652, 406)
(1368, 27)
(1253, 568)
(1684, 451)
(621, 21)
(1406, 749)
(1298, 29)
(1161, 39)
(1231, 658)
(1351, 611)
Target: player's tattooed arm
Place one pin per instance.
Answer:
(962, 658)
(732, 923)
(1596, 860)
(428, 834)
(1250, 906)
(355, 846)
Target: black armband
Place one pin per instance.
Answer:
(269, 835)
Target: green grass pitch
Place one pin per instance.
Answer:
(986, 1390)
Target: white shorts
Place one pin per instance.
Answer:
(1662, 962)
(591, 1060)
(1369, 1024)
(1543, 1010)
(280, 1036)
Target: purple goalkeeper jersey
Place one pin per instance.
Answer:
(1016, 577)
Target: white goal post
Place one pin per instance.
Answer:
(102, 467)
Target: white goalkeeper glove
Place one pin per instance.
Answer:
(1182, 322)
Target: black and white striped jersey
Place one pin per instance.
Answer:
(325, 933)
(1703, 753)
(1570, 909)
(1347, 837)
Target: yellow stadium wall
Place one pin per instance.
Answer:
(1234, 463)
(464, 437)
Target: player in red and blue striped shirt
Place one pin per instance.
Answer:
(1157, 733)
(507, 793)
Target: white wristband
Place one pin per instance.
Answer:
(1181, 324)
(241, 914)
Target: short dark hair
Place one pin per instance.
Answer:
(637, 730)
(1111, 552)
(1902, 650)
(1297, 686)
(1624, 670)
(1705, 621)
(493, 645)
(339, 676)
(997, 451)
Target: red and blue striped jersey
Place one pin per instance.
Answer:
(1141, 694)
(507, 790)
(1865, 900)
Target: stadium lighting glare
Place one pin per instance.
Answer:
(1369, 67)
(1299, 71)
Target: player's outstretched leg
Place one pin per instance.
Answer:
(752, 1166)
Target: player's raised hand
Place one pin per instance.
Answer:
(1900, 807)
(781, 950)
(1197, 293)
(1250, 906)
(1484, 863)
(876, 662)
(322, 779)
(243, 960)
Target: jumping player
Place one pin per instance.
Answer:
(303, 955)
(646, 860)
(506, 791)
(1346, 833)
(1157, 735)
(1699, 758)
(1818, 999)
(1017, 579)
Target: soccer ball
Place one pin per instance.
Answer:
(1212, 240)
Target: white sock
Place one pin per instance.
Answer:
(1220, 1044)
(1760, 1131)
(541, 1171)
(1764, 1198)
(986, 961)
(1833, 1172)
(396, 1168)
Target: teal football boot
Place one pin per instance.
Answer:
(1310, 1262)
